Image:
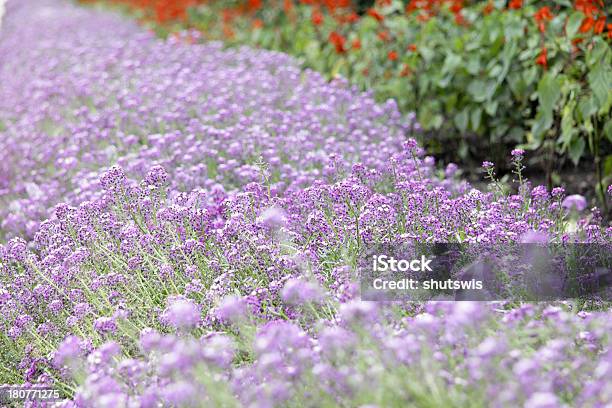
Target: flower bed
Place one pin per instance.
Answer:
(213, 263)
(482, 76)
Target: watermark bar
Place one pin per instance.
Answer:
(479, 272)
(12, 394)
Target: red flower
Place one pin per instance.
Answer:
(376, 15)
(515, 4)
(542, 16)
(405, 71)
(356, 44)
(338, 42)
(609, 27)
(384, 36)
(599, 25)
(352, 18)
(587, 25)
(392, 56)
(460, 20)
(423, 18)
(317, 17)
(412, 47)
(254, 5)
(542, 58)
(488, 9)
(457, 6)
(588, 7)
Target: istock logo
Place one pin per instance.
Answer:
(382, 263)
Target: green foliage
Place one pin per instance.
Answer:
(478, 78)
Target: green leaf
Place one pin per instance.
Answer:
(473, 66)
(599, 81)
(568, 125)
(542, 123)
(608, 130)
(549, 91)
(476, 88)
(573, 23)
(475, 118)
(451, 62)
(576, 149)
(461, 120)
(597, 53)
(587, 107)
(491, 107)
(608, 165)
(482, 91)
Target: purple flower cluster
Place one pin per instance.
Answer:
(179, 225)
(83, 90)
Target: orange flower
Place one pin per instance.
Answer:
(317, 17)
(542, 58)
(587, 25)
(356, 44)
(515, 4)
(488, 9)
(392, 56)
(412, 47)
(376, 15)
(338, 42)
(257, 24)
(599, 25)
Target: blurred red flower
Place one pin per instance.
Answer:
(338, 41)
(543, 58)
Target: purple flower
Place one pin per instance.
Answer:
(273, 217)
(534, 237)
(487, 164)
(113, 179)
(157, 176)
(410, 145)
(299, 292)
(574, 201)
(68, 349)
(181, 313)
(558, 192)
(105, 325)
(517, 153)
(231, 309)
(542, 400)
